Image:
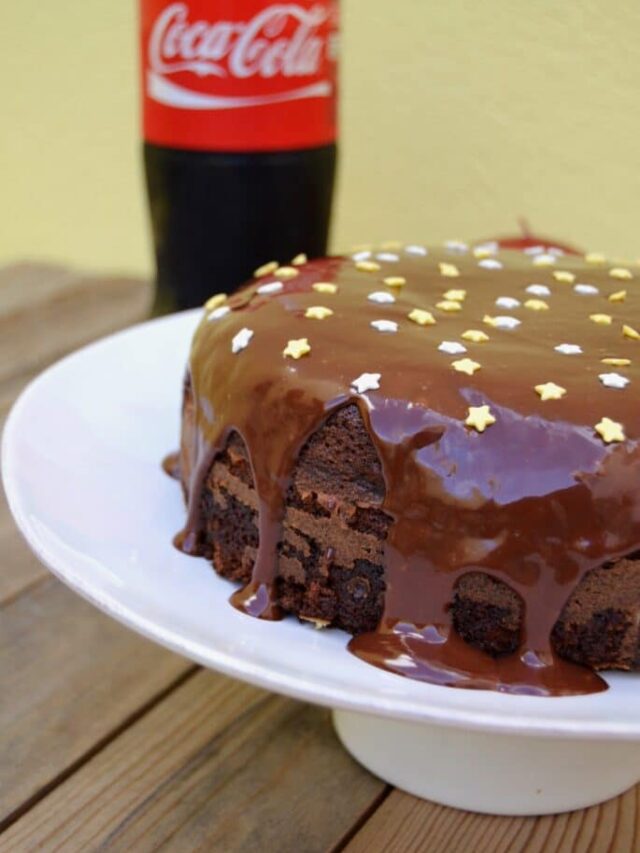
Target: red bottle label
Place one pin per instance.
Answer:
(239, 75)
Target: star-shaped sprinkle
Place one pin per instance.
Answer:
(366, 382)
(544, 260)
(569, 349)
(325, 287)
(538, 290)
(564, 275)
(507, 302)
(466, 365)
(586, 289)
(241, 340)
(395, 281)
(501, 322)
(452, 348)
(381, 296)
(621, 273)
(448, 305)
(613, 380)
(455, 295)
(630, 332)
(384, 325)
(422, 317)
(367, 266)
(265, 269)
(299, 260)
(550, 391)
(318, 312)
(618, 296)
(536, 305)
(476, 336)
(610, 430)
(296, 348)
(361, 255)
(601, 319)
(219, 313)
(388, 257)
(215, 301)
(490, 264)
(272, 287)
(415, 250)
(616, 362)
(448, 270)
(479, 418)
(485, 250)
(595, 258)
(286, 273)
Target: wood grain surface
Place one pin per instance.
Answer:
(108, 742)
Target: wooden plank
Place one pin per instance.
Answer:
(404, 824)
(218, 765)
(70, 676)
(19, 569)
(46, 311)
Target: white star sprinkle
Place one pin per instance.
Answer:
(381, 296)
(452, 348)
(272, 287)
(366, 382)
(484, 249)
(507, 302)
(546, 259)
(533, 250)
(502, 322)
(385, 325)
(569, 349)
(241, 340)
(217, 313)
(613, 380)
(490, 264)
(586, 289)
(456, 246)
(390, 257)
(415, 250)
(361, 256)
(538, 290)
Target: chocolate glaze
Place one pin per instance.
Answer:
(537, 500)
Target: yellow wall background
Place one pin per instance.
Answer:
(457, 117)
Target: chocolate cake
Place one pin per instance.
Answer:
(436, 450)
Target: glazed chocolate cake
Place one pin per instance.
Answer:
(436, 450)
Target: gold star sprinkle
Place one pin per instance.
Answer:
(479, 418)
(601, 319)
(367, 266)
(550, 391)
(215, 301)
(455, 295)
(318, 312)
(296, 348)
(395, 281)
(616, 362)
(564, 275)
(476, 336)
(466, 365)
(449, 270)
(618, 296)
(595, 258)
(630, 332)
(286, 272)
(299, 260)
(621, 273)
(325, 287)
(448, 305)
(265, 269)
(421, 317)
(482, 252)
(536, 305)
(610, 430)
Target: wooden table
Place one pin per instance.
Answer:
(110, 742)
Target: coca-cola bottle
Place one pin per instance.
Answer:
(239, 114)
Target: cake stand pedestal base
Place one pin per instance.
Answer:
(488, 772)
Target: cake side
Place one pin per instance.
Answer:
(330, 559)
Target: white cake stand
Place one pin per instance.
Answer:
(80, 459)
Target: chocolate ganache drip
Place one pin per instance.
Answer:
(498, 389)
